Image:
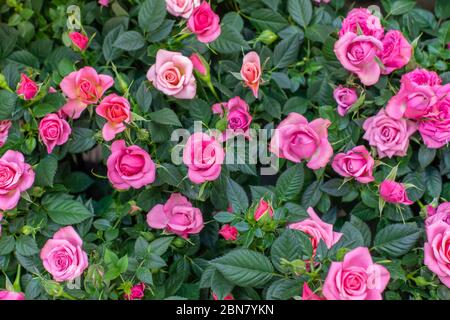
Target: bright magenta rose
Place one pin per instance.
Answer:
(264, 209)
(251, 71)
(27, 88)
(295, 139)
(360, 19)
(177, 215)
(63, 256)
(54, 131)
(4, 131)
(390, 136)
(129, 166)
(356, 278)
(238, 118)
(437, 252)
(79, 40)
(116, 110)
(204, 23)
(396, 51)
(227, 297)
(16, 176)
(229, 232)
(181, 8)
(203, 156)
(199, 64)
(394, 192)
(172, 75)
(136, 293)
(441, 213)
(356, 163)
(11, 295)
(358, 54)
(82, 88)
(345, 98)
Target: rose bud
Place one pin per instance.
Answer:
(394, 192)
(263, 209)
(27, 88)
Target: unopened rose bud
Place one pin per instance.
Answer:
(201, 66)
(27, 88)
(3, 82)
(53, 288)
(267, 37)
(263, 211)
(143, 134)
(341, 253)
(27, 230)
(179, 242)
(37, 192)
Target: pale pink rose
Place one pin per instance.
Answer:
(229, 232)
(16, 176)
(116, 110)
(441, 213)
(295, 139)
(79, 40)
(181, 8)
(308, 294)
(356, 163)
(396, 51)
(358, 54)
(394, 192)
(129, 166)
(238, 118)
(227, 297)
(27, 88)
(177, 215)
(82, 88)
(251, 71)
(63, 256)
(356, 278)
(11, 295)
(137, 292)
(204, 23)
(4, 131)
(345, 98)
(436, 249)
(203, 156)
(199, 64)
(390, 136)
(264, 209)
(103, 3)
(317, 230)
(172, 75)
(360, 19)
(54, 131)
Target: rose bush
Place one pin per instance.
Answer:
(236, 149)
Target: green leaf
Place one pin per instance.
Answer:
(229, 41)
(442, 9)
(129, 41)
(290, 183)
(301, 11)
(65, 211)
(234, 20)
(165, 116)
(51, 103)
(266, 19)
(151, 14)
(122, 264)
(26, 246)
(144, 97)
(291, 245)
(82, 139)
(312, 194)
(283, 289)
(286, 51)
(336, 187)
(417, 179)
(25, 58)
(397, 239)
(433, 182)
(7, 244)
(78, 181)
(144, 275)
(220, 285)
(224, 217)
(401, 7)
(45, 171)
(7, 104)
(199, 110)
(109, 51)
(237, 196)
(426, 156)
(363, 228)
(159, 246)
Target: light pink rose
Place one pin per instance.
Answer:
(356, 278)
(436, 249)
(63, 256)
(177, 215)
(137, 292)
(16, 176)
(295, 139)
(203, 156)
(229, 232)
(116, 110)
(345, 98)
(394, 192)
(54, 131)
(129, 166)
(27, 88)
(251, 71)
(441, 213)
(308, 294)
(82, 88)
(204, 23)
(358, 54)
(103, 3)
(199, 65)
(360, 19)
(356, 163)
(264, 209)
(4, 131)
(79, 40)
(181, 8)
(317, 230)
(172, 75)
(11, 295)
(390, 136)
(396, 51)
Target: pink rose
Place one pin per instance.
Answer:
(436, 249)
(420, 77)
(308, 294)
(295, 139)
(345, 98)
(11, 295)
(228, 297)
(79, 40)
(219, 108)
(177, 215)
(394, 192)
(264, 209)
(203, 156)
(54, 131)
(396, 51)
(356, 163)
(103, 3)
(27, 88)
(82, 88)
(16, 176)
(441, 213)
(4, 131)
(204, 23)
(172, 75)
(63, 257)
(129, 166)
(360, 19)
(322, 1)
(238, 118)
(356, 278)
(317, 230)
(251, 71)
(116, 110)
(390, 136)
(136, 293)
(358, 54)
(181, 8)
(229, 232)
(199, 64)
